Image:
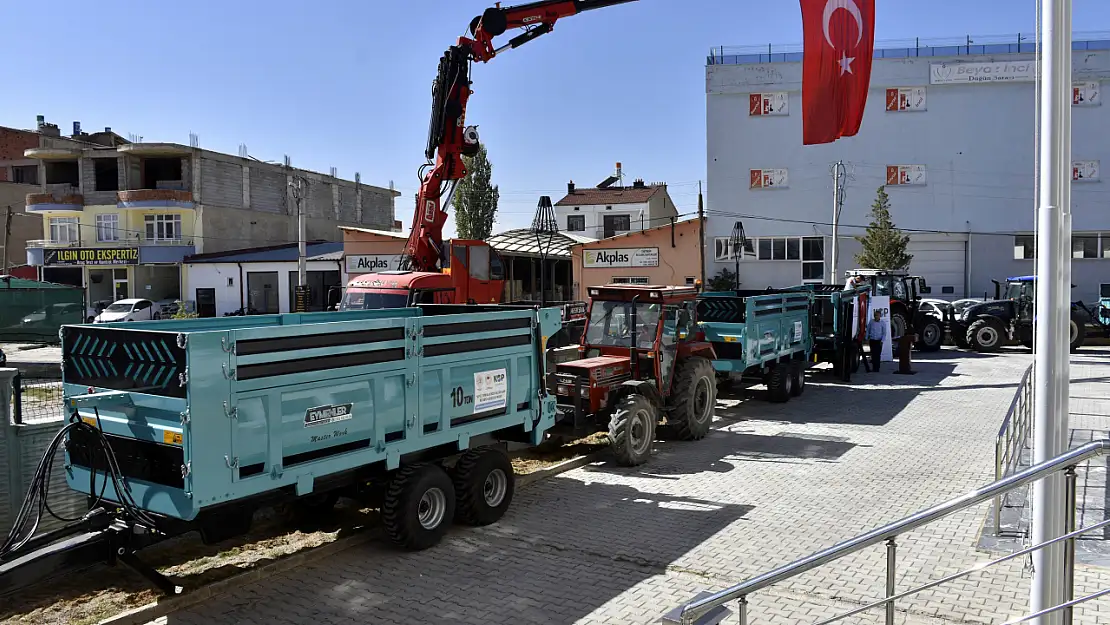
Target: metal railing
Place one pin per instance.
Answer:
(1016, 429)
(711, 607)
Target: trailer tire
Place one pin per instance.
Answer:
(986, 335)
(484, 485)
(798, 378)
(780, 383)
(632, 429)
(695, 396)
(419, 505)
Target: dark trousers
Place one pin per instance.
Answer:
(876, 353)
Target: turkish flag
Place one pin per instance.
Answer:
(839, 42)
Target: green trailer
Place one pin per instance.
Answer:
(835, 340)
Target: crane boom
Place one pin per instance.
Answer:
(449, 138)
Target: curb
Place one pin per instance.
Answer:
(151, 613)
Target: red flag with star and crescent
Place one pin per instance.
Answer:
(839, 42)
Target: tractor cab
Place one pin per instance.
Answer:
(905, 293)
(639, 359)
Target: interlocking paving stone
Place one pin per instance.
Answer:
(775, 482)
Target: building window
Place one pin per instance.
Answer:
(25, 174)
(1084, 246)
(813, 259)
(614, 224)
(576, 223)
(64, 230)
(723, 249)
(107, 227)
(1023, 247)
(163, 227)
(690, 280)
(628, 280)
(1106, 248)
(947, 290)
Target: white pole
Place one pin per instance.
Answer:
(1051, 366)
(835, 221)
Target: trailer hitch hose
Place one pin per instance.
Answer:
(30, 513)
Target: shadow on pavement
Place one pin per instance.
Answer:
(564, 549)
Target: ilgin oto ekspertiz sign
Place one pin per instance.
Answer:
(92, 256)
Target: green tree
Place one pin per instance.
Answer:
(475, 198)
(725, 280)
(884, 246)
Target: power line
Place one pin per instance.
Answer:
(825, 223)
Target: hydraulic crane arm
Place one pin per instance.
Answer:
(449, 139)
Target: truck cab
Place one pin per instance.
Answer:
(473, 273)
(640, 361)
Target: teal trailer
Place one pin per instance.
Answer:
(759, 335)
(835, 340)
(193, 425)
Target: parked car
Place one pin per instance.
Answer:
(129, 310)
(67, 313)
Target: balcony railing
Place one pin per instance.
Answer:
(155, 198)
(52, 243)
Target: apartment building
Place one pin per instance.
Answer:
(119, 216)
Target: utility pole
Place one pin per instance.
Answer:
(838, 202)
(701, 233)
(7, 236)
(296, 185)
(1051, 369)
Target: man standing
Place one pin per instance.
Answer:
(876, 333)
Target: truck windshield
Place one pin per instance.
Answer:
(372, 300)
(611, 322)
(1013, 290)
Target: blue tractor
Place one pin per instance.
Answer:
(1008, 319)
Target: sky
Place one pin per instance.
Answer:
(347, 84)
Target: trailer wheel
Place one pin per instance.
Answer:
(419, 504)
(798, 378)
(632, 430)
(780, 383)
(484, 485)
(986, 335)
(695, 395)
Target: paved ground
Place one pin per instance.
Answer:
(605, 544)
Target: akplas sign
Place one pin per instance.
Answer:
(970, 73)
(621, 257)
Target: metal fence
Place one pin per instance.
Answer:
(35, 400)
(27, 426)
(1009, 445)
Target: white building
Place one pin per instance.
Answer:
(262, 279)
(949, 130)
(606, 211)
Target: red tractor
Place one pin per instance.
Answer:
(642, 366)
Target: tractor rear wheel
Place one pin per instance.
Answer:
(694, 397)
(1077, 334)
(780, 383)
(930, 337)
(986, 335)
(632, 429)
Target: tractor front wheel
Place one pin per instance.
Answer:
(1077, 335)
(986, 335)
(695, 395)
(632, 430)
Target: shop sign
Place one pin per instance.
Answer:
(622, 257)
(370, 263)
(972, 73)
(91, 256)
